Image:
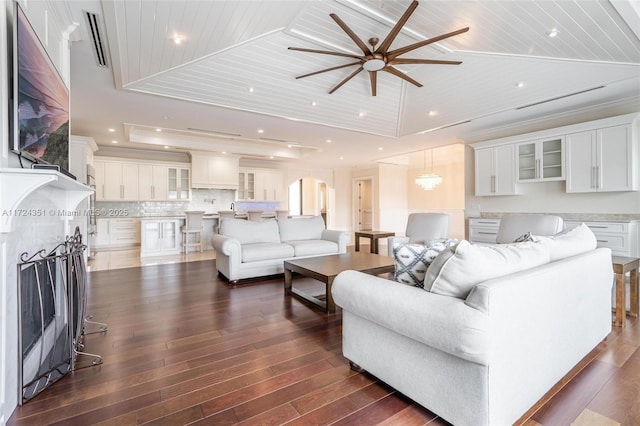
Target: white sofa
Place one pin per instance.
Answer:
(247, 249)
(486, 355)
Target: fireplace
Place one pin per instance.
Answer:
(52, 321)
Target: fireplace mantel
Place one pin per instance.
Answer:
(17, 184)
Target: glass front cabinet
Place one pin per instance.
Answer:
(541, 160)
(178, 184)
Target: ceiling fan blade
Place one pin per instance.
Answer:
(399, 61)
(328, 69)
(402, 75)
(396, 28)
(373, 76)
(324, 52)
(394, 53)
(349, 77)
(351, 34)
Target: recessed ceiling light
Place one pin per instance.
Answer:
(224, 152)
(289, 146)
(166, 147)
(250, 89)
(111, 130)
(313, 103)
(260, 131)
(380, 148)
(271, 157)
(328, 141)
(178, 39)
(114, 141)
(433, 113)
(520, 84)
(341, 158)
(361, 114)
(554, 32)
(158, 130)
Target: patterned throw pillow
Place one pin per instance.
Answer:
(524, 238)
(412, 260)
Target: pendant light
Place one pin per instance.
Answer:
(428, 181)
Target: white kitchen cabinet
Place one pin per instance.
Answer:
(116, 232)
(541, 160)
(602, 160)
(116, 181)
(620, 237)
(178, 183)
(160, 237)
(152, 182)
(482, 230)
(495, 170)
(214, 171)
(268, 185)
(246, 185)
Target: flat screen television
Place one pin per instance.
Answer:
(40, 99)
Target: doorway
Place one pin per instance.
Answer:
(311, 197)
(363, 204)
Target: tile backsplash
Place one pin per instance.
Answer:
(208, 200)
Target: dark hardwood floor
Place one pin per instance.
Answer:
(184, 347)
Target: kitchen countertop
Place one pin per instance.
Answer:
(585, 217)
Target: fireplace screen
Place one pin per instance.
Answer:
(52, 321)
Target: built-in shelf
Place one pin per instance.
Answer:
(17, 184)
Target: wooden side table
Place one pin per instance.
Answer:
(374, 236)
(622, 265)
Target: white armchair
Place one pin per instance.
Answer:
(422, 228)
(514, 225)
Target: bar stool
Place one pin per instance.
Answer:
(224, 214)
(193, 225)
(255, 215)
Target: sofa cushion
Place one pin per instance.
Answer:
(303, 228)
(266, 251)
(412, 260)
(250, 232)
(458, 269)
(578, 240)
(313, 247)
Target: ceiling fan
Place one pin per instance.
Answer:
(380, 58)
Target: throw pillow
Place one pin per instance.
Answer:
(524, 238)
(412, 260)
(570, 243)
(455, 271)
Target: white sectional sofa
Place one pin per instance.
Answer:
(499, 328)
(247, 249)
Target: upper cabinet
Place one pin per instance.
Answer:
(495, 171)
(602, 160)
(116, 181)
(214, 171)
(260, 185)
(595, 156)
(541, 160)
(127, 180)
(178, 187)
(152, 182)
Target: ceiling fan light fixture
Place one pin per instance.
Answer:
(374, 65)
(378, 57)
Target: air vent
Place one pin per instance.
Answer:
(560, 97)
(447, 126)
(213, 132)
(96, 39)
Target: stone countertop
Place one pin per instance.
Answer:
(573, 217)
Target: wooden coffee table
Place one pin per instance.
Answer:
(326, 268)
